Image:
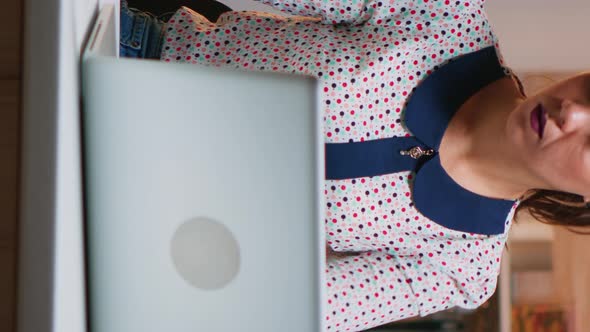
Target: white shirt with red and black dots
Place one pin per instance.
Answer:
(368, 57)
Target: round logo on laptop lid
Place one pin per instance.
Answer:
(205, 253)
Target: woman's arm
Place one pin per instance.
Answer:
(351, 12)
(355, 12)
(375, 288)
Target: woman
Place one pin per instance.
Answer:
(431, 145)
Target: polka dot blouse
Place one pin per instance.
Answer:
(392, 262)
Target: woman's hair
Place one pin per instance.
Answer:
(557, 208)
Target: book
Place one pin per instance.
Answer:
(538, 318)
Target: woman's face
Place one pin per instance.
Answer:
(551, 133)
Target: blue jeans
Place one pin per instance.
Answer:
(142, 33)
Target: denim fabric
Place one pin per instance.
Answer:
(141, 34)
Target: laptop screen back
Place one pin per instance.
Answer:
(203, 196)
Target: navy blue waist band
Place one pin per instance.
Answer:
(370, 158)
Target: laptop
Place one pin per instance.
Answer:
(203, 196)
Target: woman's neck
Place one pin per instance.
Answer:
(475, 151)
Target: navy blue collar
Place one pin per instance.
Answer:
(428, 112)
(427, 115)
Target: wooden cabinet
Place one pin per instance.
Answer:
(9, 137)
(11, 36)
(10, 112)
(571, 269)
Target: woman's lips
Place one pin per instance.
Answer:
(538, 119)
(543, 121)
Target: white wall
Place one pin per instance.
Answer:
(543, 35)
(247, 5)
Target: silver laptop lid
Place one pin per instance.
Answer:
(203, 192)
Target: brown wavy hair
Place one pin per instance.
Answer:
(558, 209)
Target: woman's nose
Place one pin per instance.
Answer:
(574, 116)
